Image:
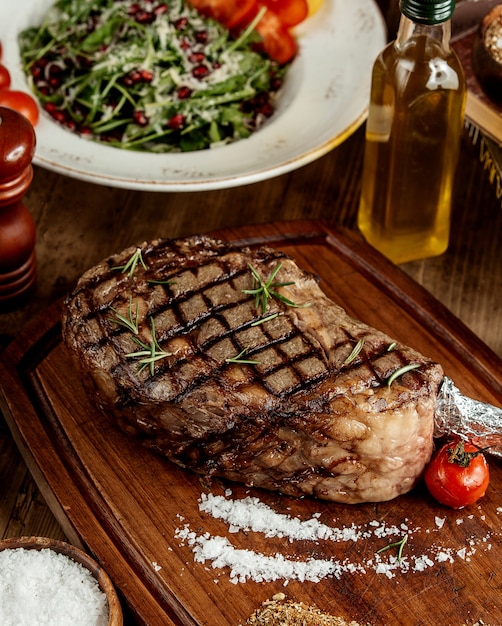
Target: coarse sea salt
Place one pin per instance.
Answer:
(250, 515)
(46, 588)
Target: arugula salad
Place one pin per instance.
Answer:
(151, 75)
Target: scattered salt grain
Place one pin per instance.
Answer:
(422, 563)
(462, 552)
(43, 587)
(246, 564)
(250, 515)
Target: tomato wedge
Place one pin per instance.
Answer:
(290, 12)
(278, 42)
(230, 13)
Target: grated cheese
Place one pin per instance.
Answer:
(45, 588)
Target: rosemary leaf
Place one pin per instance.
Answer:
(132, 263)
(265, 319)
(402, 370)
(239, 359)
(397, 544)
(355, 352)
(263, 291)
(129, 321)
(150, 354)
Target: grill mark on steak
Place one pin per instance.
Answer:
(301, 420)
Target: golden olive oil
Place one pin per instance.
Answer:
(413, 134)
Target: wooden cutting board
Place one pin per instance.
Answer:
(125, 505)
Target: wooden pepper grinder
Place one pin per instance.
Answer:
(17, 228)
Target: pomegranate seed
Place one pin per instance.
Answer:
(181, 23)
(266, 110)
(133, 9)
(275, 83)
(176, 122)
(185, 45)
(59, 116)
(184, 93)
(50, 107)
(140, 118)
(196, 57)
(160, 9)
(200, 71)
(144, 17)
(201, 36)
(146, 76)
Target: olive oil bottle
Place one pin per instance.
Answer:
(413, 136)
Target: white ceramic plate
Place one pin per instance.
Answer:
(324, 100)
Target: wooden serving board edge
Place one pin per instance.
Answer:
(23, 354)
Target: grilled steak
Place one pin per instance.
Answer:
(183, 347)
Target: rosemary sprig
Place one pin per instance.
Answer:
(355, 352)
(397, 544)
(150, 354)
(239, 359)
(132, 263)
(402, 370)
(265, 319)
(152, 281)
(130, 320)
(263, 291)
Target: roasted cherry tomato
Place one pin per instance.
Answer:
(21, 102)
(458, 474)
(278, 42)
(230, 13)
(4, 77)
(290, 12)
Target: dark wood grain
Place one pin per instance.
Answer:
(123, 504)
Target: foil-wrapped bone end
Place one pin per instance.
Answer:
(470, 419)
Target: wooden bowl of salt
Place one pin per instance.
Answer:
(52, 582)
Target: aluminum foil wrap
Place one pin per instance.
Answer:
(457, 414)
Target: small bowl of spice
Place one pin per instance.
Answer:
(44, 581)
(487, 54)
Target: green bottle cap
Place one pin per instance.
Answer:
(428, 11)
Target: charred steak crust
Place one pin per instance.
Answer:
(293, 397)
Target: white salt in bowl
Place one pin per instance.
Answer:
(44, 576)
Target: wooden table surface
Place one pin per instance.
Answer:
(79, 223)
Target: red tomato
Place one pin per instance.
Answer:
(278, 42)
(21, 102)
(290, 12)
(457, 475)
(230, 13)
(4, 77)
